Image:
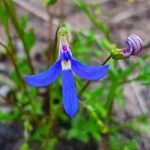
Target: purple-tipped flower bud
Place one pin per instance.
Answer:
(134, 46)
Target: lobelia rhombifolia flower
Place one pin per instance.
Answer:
(66, 65)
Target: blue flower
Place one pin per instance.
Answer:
(66, 65)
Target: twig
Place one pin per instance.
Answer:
(11, 55)
(99, 24)
(13, 16)
(8, 34)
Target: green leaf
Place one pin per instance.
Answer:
(81, 131)
(120, 97)
(121, 142)
(22, 99)
(114, 71)
(23, 66)
(42, 130)
(51, 2)
(132, 145)
(3, 15)
(25, 146)
(28, 125)
(30, 38)
(11, 116)
(23, 22)
(105, 44)
(125, 73)
(144, 72)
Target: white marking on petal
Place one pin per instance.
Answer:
(137, 38)
(66, 65)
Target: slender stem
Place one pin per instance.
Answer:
(106, 60)
(105, 142)
(47, 98)
(12, 103)
(109, 107)
(110, 99)
(13, 16)
(11, 55)
(99, 24)
(128, 81)
(7, 30)
(88, 82)
(84, 88)
(94, 115)
(21, 33)
(51, 57)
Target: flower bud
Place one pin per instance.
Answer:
(64, 34)
(134, 47)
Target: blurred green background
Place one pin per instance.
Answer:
(113, 113)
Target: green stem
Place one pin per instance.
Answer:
(109, 107)
(110, 99)
(13, 16)
(129, 81)
(94, 115)
(51, 57)
(105, 142)
(12, 57)
(100, 25)
(9, 39)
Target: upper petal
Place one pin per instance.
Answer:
(44, 78)
(89, 72)
(70, 99)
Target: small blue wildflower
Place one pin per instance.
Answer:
(66, 65)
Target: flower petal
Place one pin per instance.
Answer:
(89, 72)
(134, 45)
(70, 99)
(45, 78)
